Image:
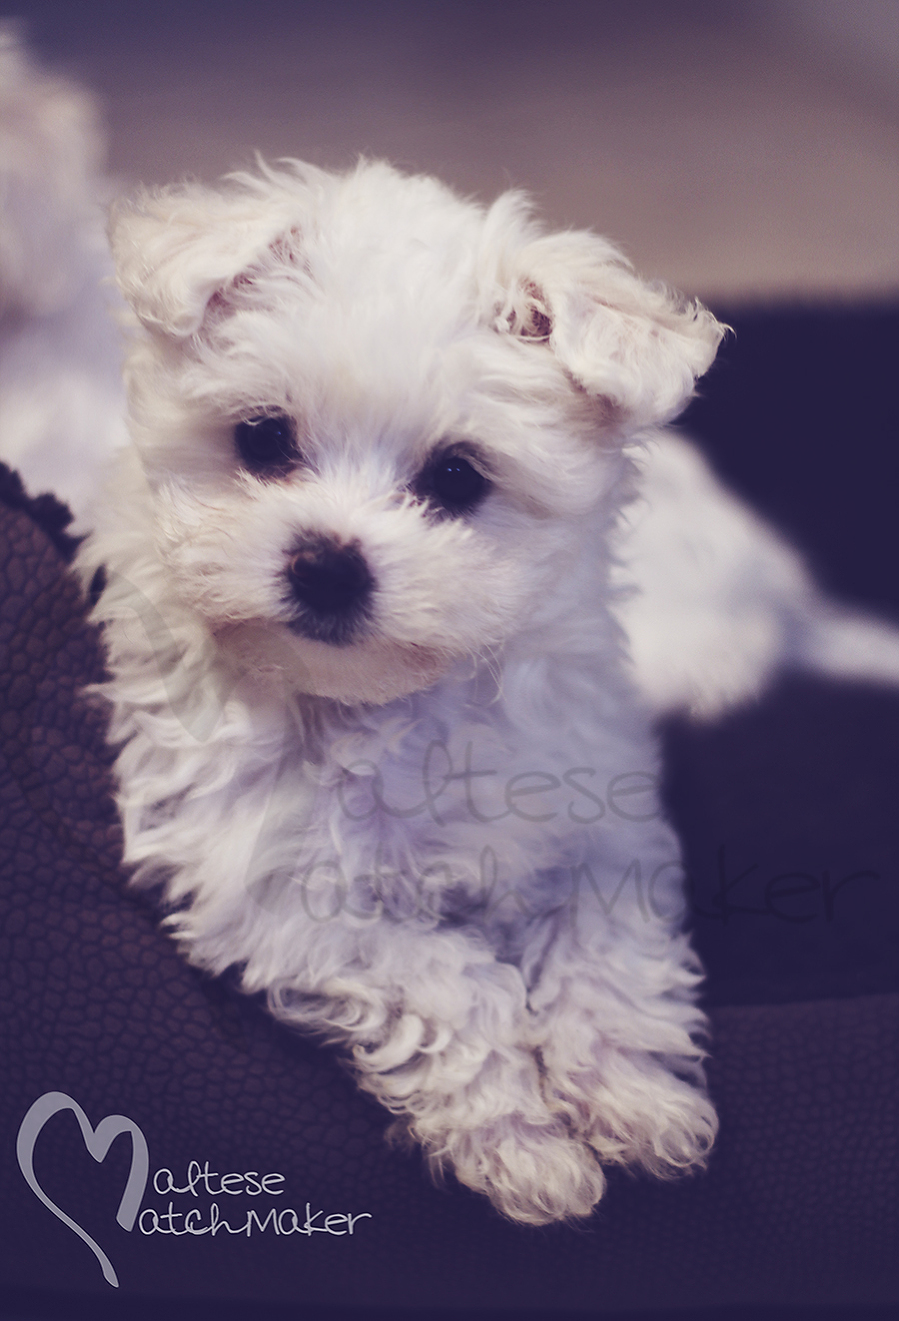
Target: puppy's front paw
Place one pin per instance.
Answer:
(633, 1110)
(533, 1173)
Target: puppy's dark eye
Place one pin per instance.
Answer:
(453, 483)
(267, 444)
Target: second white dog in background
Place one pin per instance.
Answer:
(61, 402)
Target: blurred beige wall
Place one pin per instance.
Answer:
(742, 149)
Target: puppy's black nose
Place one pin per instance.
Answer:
(332, 585)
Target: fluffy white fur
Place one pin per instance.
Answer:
(61, 408)
(715, 603)
(437, 843)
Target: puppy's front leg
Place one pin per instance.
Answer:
(437, 1029)
(616, 1027)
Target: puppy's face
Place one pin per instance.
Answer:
(380, 425)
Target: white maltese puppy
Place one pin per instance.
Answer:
(366, 574)
(378, 741)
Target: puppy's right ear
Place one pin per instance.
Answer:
(176, 248)
(633, 346)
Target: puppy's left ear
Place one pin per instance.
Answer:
(636, 347)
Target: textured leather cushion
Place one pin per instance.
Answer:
(799, 1203)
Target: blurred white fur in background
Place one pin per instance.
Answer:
(61, 409)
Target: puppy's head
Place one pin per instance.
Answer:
(381, 426)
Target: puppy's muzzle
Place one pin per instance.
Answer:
(332, 587)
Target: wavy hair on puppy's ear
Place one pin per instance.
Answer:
(177, 248)
(636, 346)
